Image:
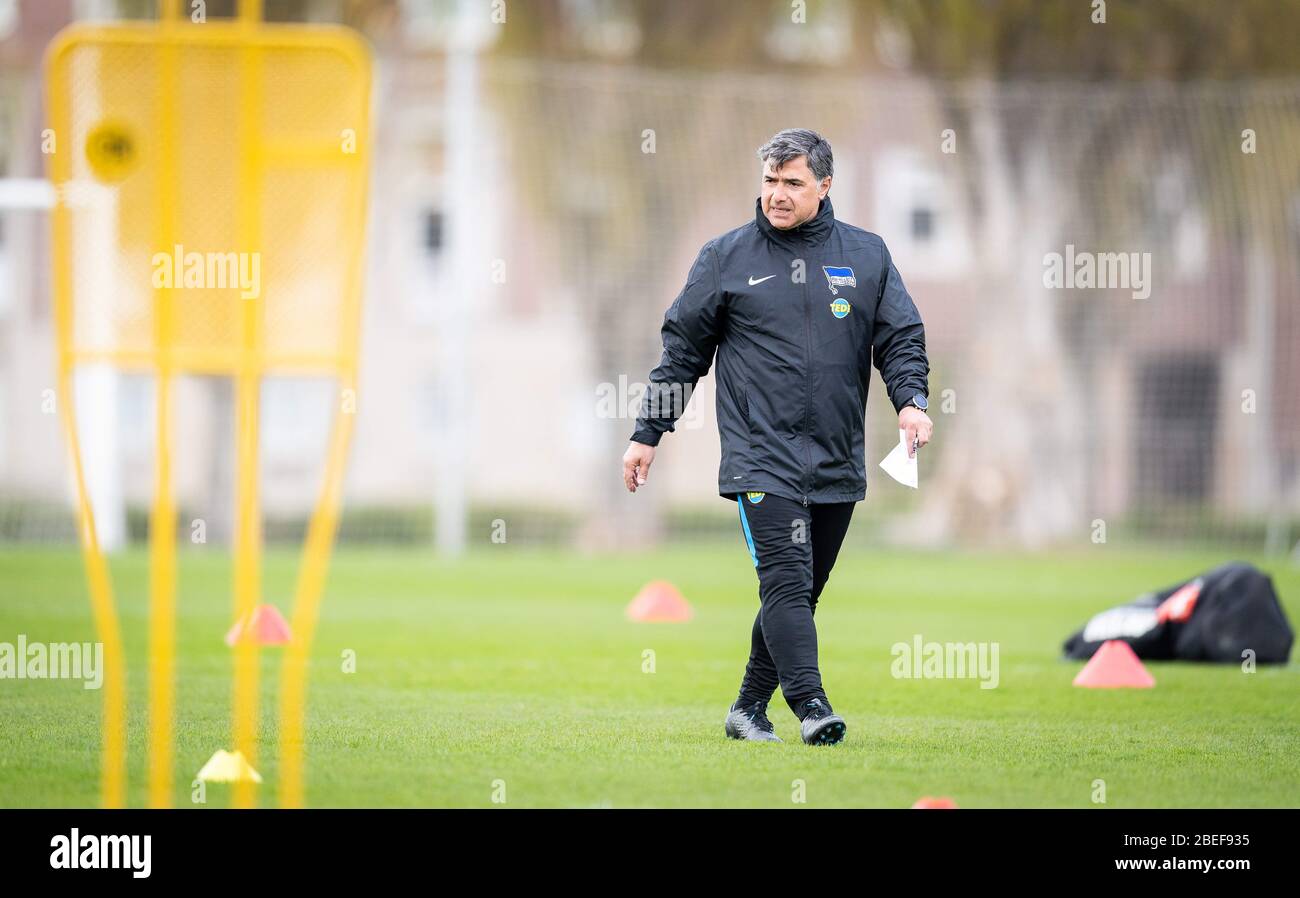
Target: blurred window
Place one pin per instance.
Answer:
(433, 232)
(135, 404)
(8, 18)
(427, 248)
(922, 223)
(915, 214)
(295, 418)
(824, 36)
(1178, 407)
(6, 274)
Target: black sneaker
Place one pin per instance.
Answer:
(820, 725)
(750, 723)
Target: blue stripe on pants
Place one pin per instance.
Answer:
(744, 523)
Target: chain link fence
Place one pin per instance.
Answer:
(1107, 273)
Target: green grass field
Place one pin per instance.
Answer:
(520, 666)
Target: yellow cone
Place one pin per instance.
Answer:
(228, 767)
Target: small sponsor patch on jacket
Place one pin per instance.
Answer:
(840, 307)
(839, 277)
(755, 498)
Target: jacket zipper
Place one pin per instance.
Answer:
(807, 392)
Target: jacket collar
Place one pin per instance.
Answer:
(812, 232)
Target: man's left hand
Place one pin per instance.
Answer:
(918, 427)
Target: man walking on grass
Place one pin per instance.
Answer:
(798, 307)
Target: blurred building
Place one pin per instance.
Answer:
(506, 296)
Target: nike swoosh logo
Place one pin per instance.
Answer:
(752, 282)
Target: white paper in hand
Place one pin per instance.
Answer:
(898, 466)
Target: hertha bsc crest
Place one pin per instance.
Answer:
(839, 277)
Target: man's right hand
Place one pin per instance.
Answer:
(636, 465)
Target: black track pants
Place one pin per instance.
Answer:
(794, 548)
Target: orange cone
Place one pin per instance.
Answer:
(929, 802)
(1113, 666)
(266, 627)
(659, 602)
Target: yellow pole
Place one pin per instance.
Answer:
(324, 521)
(103, 611)
(306, 606)
(162, 519)
(248, 382)
(113, 777)
(250, 11)
(247, 577)
(162, 607)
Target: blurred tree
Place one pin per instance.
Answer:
(614, 228)
(1015, 152)
(1016, 39)
(614, 212)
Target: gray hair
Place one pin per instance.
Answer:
(795, 142)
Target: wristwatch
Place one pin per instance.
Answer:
(920, 402)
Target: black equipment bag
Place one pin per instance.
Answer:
(1217, 616)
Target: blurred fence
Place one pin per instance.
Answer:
(1107, 274)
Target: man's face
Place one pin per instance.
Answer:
(791, 194)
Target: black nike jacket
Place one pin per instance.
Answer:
(797, 318)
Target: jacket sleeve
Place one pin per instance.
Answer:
(691, 329)
(898, 339)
